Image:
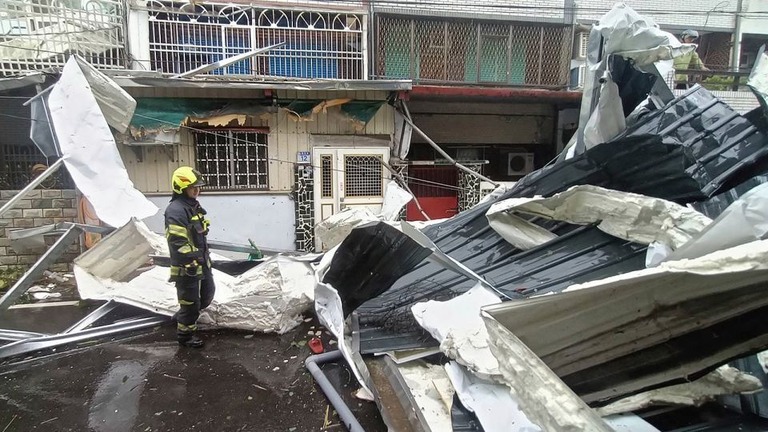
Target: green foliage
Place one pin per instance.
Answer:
(719, 82)
(9, 276)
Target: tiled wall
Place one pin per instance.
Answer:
(303, 196)
(38, 208)
(469, 188)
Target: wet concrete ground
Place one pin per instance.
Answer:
(238, 382)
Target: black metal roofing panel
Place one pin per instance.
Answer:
(688, 151)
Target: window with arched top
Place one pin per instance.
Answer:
(317, 44)
(195, 12)
(347, 22)
(310, 20)
(234, 15)
(273, 18)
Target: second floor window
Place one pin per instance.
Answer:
(317, 44)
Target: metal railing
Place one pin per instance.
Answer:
(40, 34)
(724, 80)
(443, 51)
(184, 36)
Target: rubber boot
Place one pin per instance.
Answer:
(191, 341)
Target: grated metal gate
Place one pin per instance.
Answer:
(473, 52)
(186, 35)
(326, 186)
(362, 176)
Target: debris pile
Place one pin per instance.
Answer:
(595, 285)
(628, 272)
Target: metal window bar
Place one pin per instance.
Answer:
(326, 175)
(456, 51)
(184, 36)
(16, 163)
(233, 159)
(363, 176)
(41, 34)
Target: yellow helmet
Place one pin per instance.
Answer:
(185, 177)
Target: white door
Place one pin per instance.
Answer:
(348, 177)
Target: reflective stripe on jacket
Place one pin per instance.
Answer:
(186, 229)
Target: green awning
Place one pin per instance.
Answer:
(164, 113)
(361, 111)
(169, 113)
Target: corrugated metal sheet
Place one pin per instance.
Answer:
(686, 152)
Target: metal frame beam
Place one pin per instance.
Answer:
(94, 316)
(18, 335)
(36, 271)
(32, 345)
(227, 61)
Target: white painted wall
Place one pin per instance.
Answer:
(704, 14)
(740, 101)
(488, 9)
(755, 19)
(268, 220)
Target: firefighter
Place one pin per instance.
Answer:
(186, 228)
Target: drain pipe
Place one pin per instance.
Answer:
(312, 364)
(737, 37)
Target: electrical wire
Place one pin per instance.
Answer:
(426, 4)
(64, 33)
(245, 141)
(402, 3)
(22, 118)
(411, 179)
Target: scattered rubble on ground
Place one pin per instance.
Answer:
(627, 273)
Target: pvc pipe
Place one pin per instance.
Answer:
(333, 396)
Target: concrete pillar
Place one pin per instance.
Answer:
(138, 35)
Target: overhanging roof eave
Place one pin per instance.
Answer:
(144, 80)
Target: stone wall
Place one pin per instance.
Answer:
(469, 188)
(40, 207)
(303, 196)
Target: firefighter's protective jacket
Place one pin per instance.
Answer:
(186, 229)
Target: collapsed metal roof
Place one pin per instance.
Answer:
(691, 149)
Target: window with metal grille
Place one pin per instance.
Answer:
(42, 34)
(362, 176)
(472, 51)
(327, 176)
(18, 167)
(233, 159)
(185, 35)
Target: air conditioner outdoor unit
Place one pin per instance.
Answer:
(583, 42)
(581, 76)
(519, 164)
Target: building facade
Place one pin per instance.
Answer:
(308, 127)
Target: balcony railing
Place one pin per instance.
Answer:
(41, 34)
(184, 36)
(456, 52)
(723, 80)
